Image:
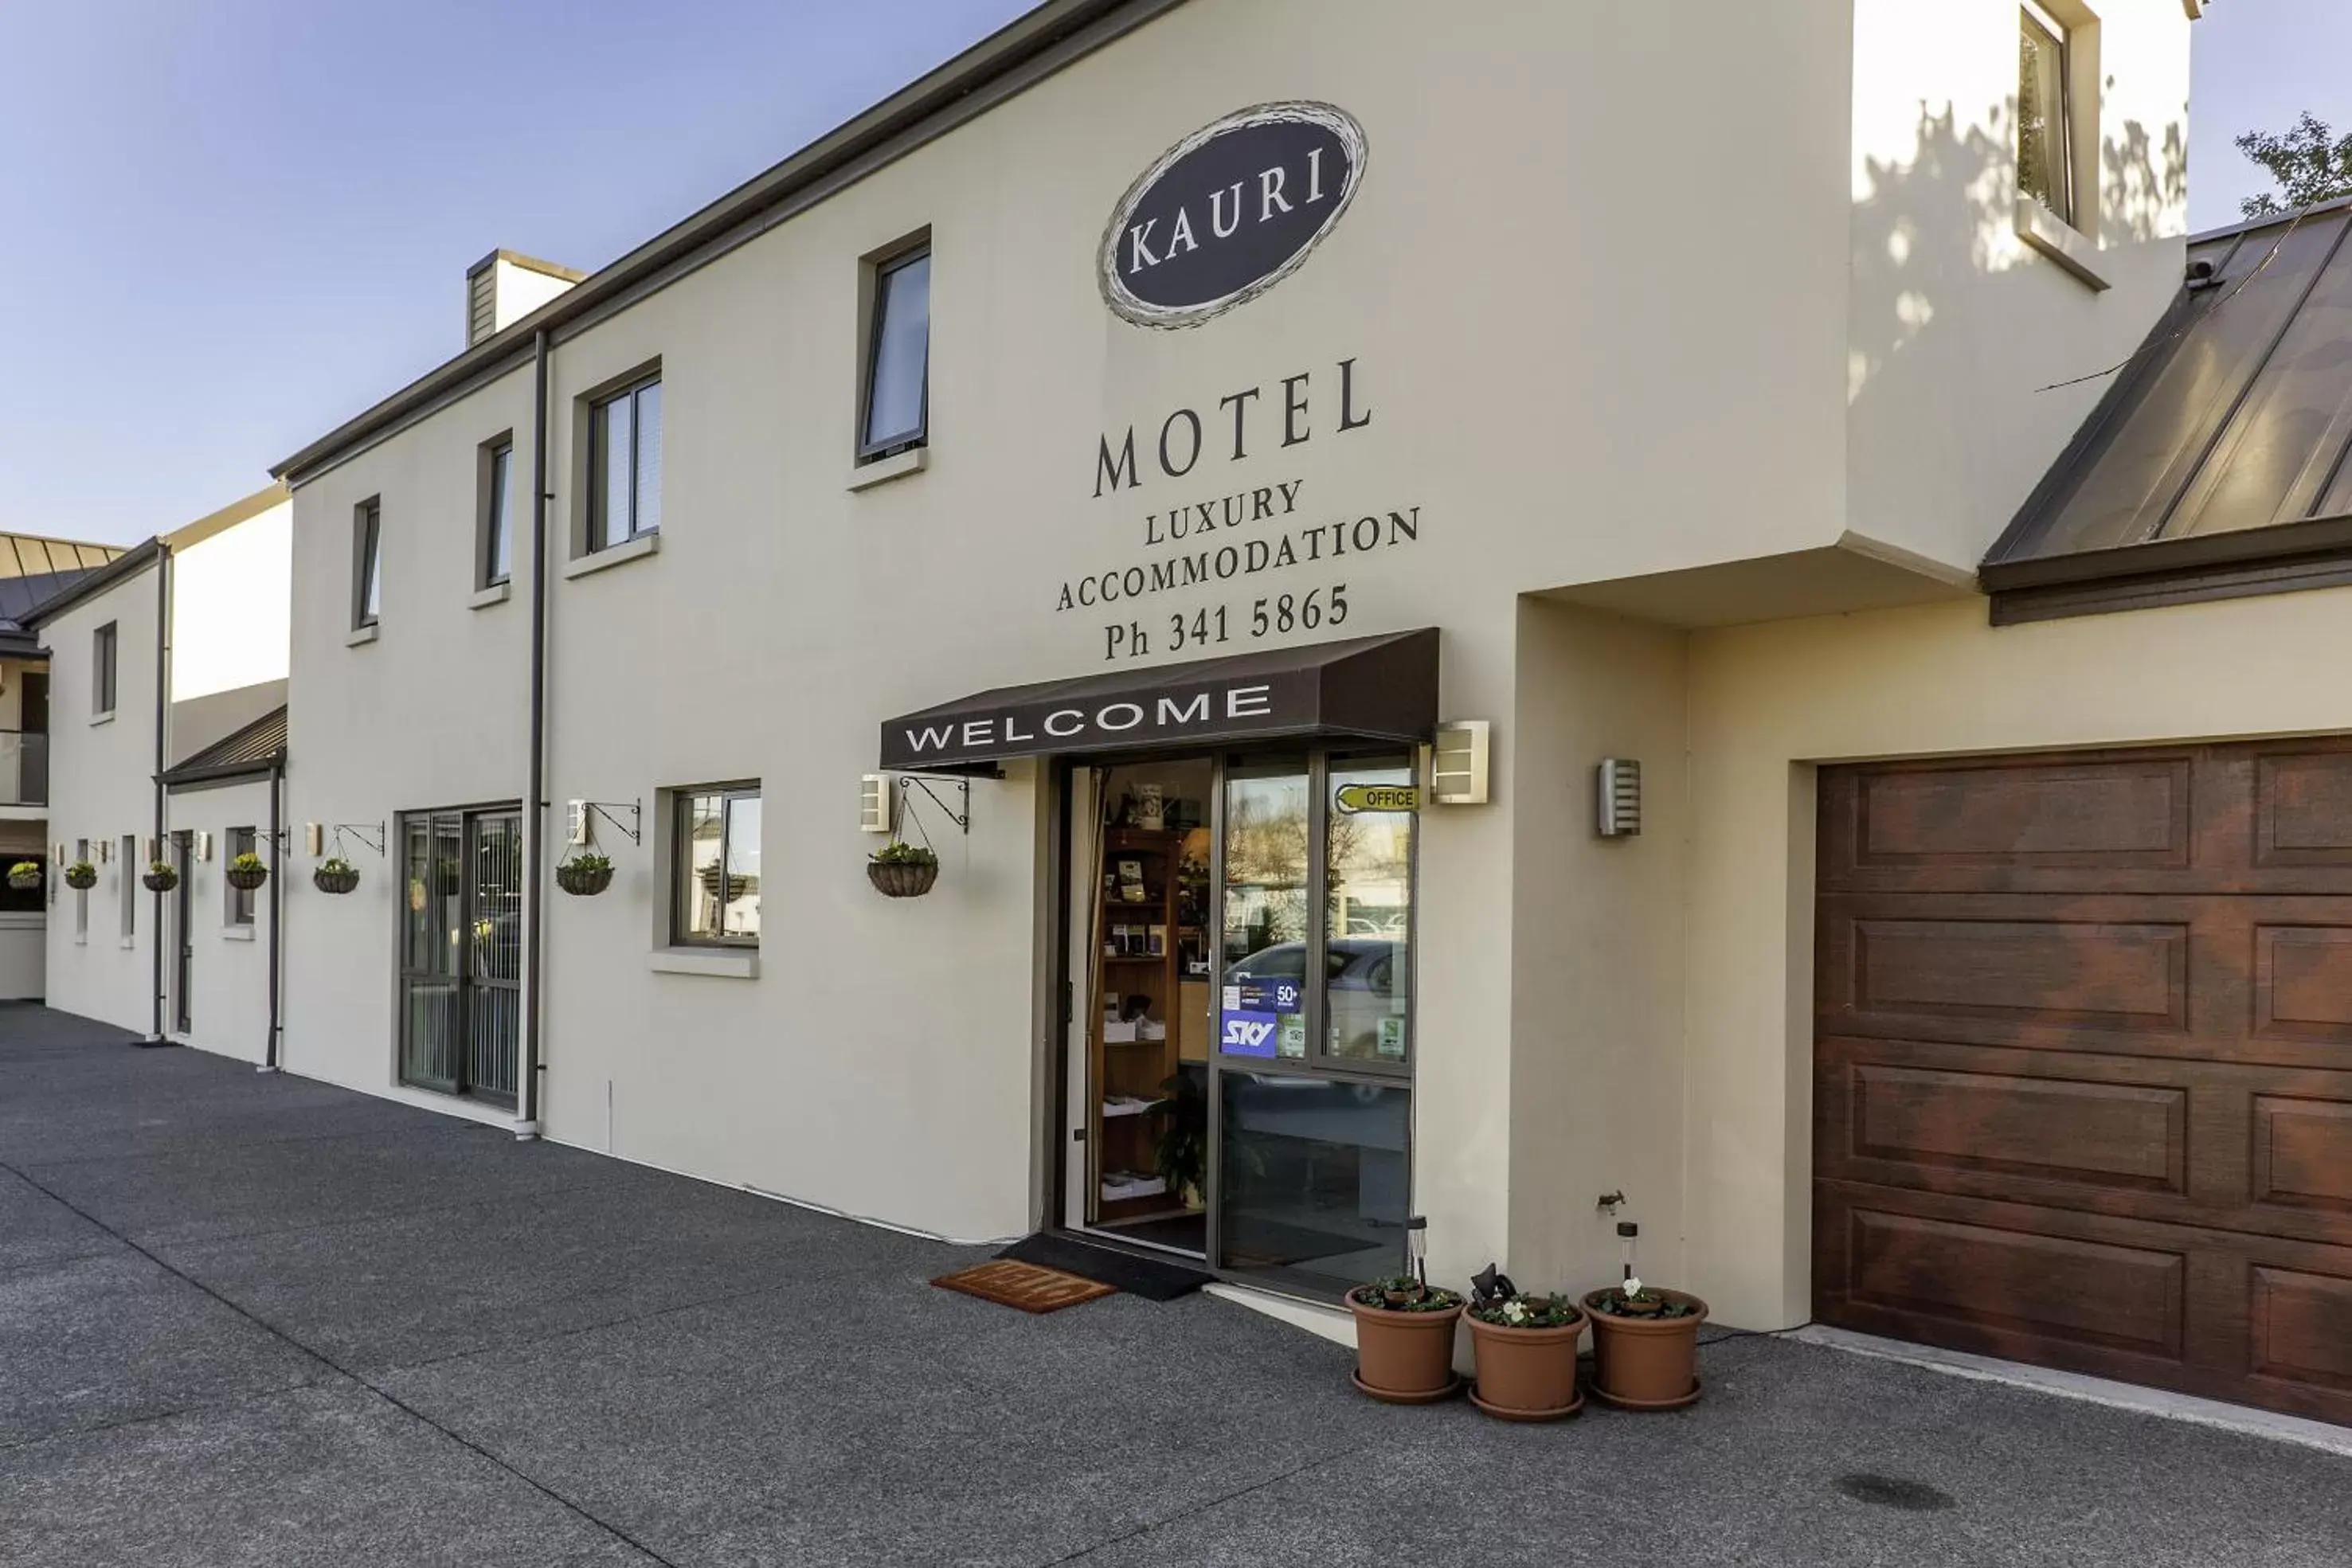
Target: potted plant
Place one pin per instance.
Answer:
(903, 869)
(24, 875)
(1404, 1340)
(81, 875)
(335, 874)
(160, 876)
(1645, 1345)
(1183, 1149)
(586, 874)
(734, 885)
(247, 872)
(1525, 1348)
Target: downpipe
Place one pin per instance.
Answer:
(526, 1124)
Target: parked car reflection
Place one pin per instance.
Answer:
(1365, 983)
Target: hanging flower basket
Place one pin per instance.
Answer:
(159, 877)
(81, 875)
(335, 874)
(584, 876)
(24, 875)
(247, 872)
(903, 871)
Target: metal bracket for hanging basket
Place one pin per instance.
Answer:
(359, 831)
(634, 827)
(959, 814)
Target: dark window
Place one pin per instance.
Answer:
(240, 899)
(367, 597)
(715, 866)
(497, 514)
(624, 464)
(102, 650)
(896, 394)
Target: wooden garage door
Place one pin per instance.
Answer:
(2084, 1064)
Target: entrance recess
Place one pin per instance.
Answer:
(460, 950)
(1241, 1049)
(2083, 1063)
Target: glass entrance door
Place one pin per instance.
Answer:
(1312, 1097)
(460, 946)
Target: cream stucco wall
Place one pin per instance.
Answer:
(228, 964)
(1972, 357)
(101, 787)
(1564, 374)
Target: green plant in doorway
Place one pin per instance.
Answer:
(1183, 1152)
(24, 875)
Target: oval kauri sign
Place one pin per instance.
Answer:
(1229, 212)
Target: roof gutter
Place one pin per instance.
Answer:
(1031, 47)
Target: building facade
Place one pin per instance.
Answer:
(170, 738)
(1225, 479)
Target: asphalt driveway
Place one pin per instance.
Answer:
(256, 1319)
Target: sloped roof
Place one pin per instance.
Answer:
(33, 568)
(2217, 462)
(242, 752)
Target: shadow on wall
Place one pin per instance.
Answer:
(1969, 361)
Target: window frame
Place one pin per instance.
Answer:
(879, 270)
(129, 885)
(106, 668)
(2060, 126)
(682, 869)
(596, 535)
(367, 563)
(494, 512)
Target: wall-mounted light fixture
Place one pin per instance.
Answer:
(1621, 798)
(105, 851)
(314, 839)
(205, 844)
(577, 828)
(874, 797)
(1458, 762)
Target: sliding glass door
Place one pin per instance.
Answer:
(460, 946)
(1312, 1099)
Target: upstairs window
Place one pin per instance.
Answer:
(103, 666)
(624, 464)
(367, 559)
(2045, 113)
(897, 395)
(498, 513)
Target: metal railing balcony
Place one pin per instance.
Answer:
(23, 768)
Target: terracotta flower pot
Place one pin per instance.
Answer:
(1645, 1362)
(1527, 1375)
(1405, 1358)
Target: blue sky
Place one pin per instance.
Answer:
(226, 226)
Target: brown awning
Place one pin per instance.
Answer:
(1382, 688)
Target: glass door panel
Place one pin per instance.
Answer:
(430, 931)
(1264, 908)
(1368, 910)
(493, 976)
(1313, 1187)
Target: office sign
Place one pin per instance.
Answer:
(1229, 212)
(1355, 798)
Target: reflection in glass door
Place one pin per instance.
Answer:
(1313, 1100)
(460, 945)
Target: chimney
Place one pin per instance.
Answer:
(505, 287)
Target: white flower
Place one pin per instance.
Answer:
(1515, 1309)
(1632, 1286)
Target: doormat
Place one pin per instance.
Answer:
(1146, 1277)
(1009, 1283)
